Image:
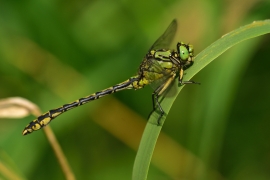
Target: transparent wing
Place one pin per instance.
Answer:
(154, 66)
(156, 69)
(164, 41)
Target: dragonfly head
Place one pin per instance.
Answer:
(185, 54)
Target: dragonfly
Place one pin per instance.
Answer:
(160, 66)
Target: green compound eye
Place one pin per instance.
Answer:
(184, 54)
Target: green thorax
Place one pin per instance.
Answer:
(156, 66)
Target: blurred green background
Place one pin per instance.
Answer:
(54, 52)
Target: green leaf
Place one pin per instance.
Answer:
(152, 130)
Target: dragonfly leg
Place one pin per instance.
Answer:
(156, 94)
(180, 79)
(156, 102)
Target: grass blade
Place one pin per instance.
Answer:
(150, 135)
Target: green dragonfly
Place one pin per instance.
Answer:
(160, 66)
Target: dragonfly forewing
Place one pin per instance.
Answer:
(165, 40)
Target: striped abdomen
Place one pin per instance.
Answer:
(46, 118)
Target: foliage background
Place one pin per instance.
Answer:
(53, 52)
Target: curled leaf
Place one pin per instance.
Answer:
(17, 107)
